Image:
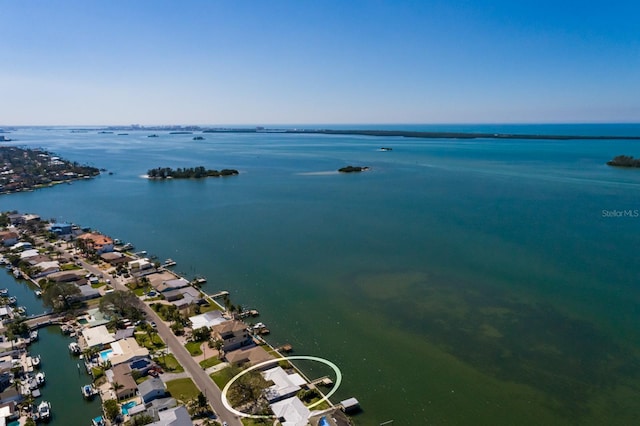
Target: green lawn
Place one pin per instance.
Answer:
(150, 342)
(221, 377)
(182, 389)
(169, 363)
(210, 362)
(194, 348)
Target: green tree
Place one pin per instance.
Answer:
(121, 304)
(58, 296)
(111, 409)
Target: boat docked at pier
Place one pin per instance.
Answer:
(89, 391)
(74, 348)
(44, 411)
(40, 378)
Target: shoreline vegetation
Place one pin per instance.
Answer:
(173, 129)
(624, 161)
(421, 135)
(188, 173)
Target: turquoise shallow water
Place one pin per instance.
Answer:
(457, 282)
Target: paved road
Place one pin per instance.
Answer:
(191, 367)
(199, 376)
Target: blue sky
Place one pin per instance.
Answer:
(276, 62)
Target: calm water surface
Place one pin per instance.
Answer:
(457, 282)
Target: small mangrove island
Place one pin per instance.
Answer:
(624, 161)
(188, 173)
(351, 169)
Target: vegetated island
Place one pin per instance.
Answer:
(352, 169)
(188, 173)
(420, 135)
(624, 161)
(27, 169)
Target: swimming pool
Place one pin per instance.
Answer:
(127, 406)
(105, 354)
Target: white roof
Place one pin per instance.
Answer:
(48, 265)
(292, 410)
(125, 349)
(284, 384)
(97, 336)
(208, 319)
(29, 253)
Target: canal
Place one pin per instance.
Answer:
(65, 374)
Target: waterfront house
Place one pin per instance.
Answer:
(8, 413)
(233, 334)
(127, 350)
(61, 228)
(124, 385)
(138, 266)
(29, 253)
(97, 337)
(151, 389)
(93, 318)
(21, 246)
(97, 242)
(46, 268)
(115, 258)
(8, 238)
(208, 319)
(172, 284)
(86, 293)
(250, 355)
(291, 412)
(285, 385)
(183, 298)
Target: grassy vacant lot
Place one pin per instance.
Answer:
(221, 377)
(210, 362)
(169, 363)
(194, 348)
(182, 389)
(149, 341)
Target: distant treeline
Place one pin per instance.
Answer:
(624, 161)
(187, 173)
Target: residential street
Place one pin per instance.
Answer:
(191, 367)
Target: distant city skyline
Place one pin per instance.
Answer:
(290, 62)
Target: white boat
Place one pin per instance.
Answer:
(89, 391)
(33, 336)
(16, 272)
(40, 378)
(168, 263)
(4, 291)
(44, 410)
(74, 348)
(38, 293)
(35, 361)
(12, 300)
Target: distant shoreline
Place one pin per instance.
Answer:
(422, 135)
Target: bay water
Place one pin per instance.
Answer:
(456, 282)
